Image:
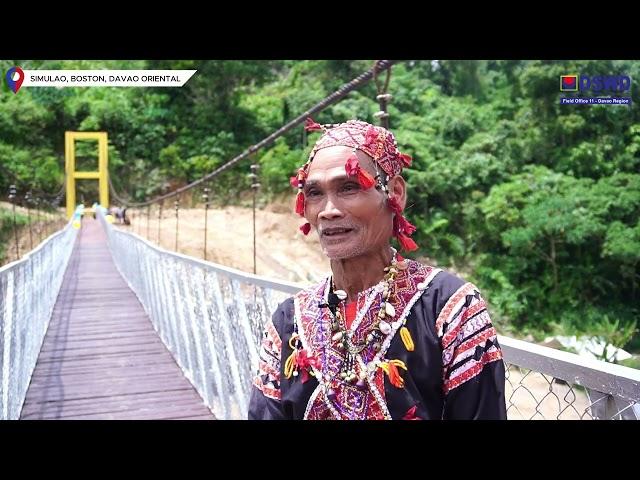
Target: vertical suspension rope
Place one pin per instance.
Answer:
(27, 201)
(205, 197)
(254, 186)
(58, 217)
(47, 224)
(177, 207)
(12, 199)
(41, 225)
(159, 221)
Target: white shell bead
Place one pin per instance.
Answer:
(389, 309)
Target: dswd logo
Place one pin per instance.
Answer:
(595, 84)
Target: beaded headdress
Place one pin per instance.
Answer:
(377, 142)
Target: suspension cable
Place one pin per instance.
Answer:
(379, 66)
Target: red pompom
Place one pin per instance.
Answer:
(293, 181)
(306, 228)
(406, 159)
(310, 125)
(353, 169)
(352, 166)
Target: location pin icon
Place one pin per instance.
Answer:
(15, 77)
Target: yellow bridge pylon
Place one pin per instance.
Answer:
(73, 175)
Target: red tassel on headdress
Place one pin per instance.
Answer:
(365, 179)
(406, 159)
(353, 169)
(306, 228)
(293, 181)
(300, 204)
(402, 228)
(394, 205)
(310, 125)
(406, 243)
(405, 226)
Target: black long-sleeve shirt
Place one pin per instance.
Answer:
(454, 372)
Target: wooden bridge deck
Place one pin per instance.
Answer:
(101, 357)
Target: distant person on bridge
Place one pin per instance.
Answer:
(382, 337)
(120, 214)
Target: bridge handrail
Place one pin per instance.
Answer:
(29, 288)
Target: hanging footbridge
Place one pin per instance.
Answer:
(98, 322)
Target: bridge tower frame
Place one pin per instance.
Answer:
(70, 167)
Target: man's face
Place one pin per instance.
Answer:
(350, 221)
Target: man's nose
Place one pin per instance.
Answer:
(330, 211)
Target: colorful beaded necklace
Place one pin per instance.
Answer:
(345, 338)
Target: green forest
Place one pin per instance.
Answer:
(536, 202)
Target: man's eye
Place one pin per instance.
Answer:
(312, 193)
(350, 187)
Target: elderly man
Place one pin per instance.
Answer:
(383, 337)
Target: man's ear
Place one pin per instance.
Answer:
(397, 188)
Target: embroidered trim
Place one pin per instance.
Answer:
(315, 334)
(267, 379)
(487, 357)
(450, 307)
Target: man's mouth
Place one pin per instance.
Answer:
(335, 231)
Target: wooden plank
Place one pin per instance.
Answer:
(105, 375)
(101, 357)
(166, 413)
(131, 411)
(126, 360)
(197, 417)
(92, 365)
(65, 408)
(167, 396)
(79, 346)
(58, 391)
